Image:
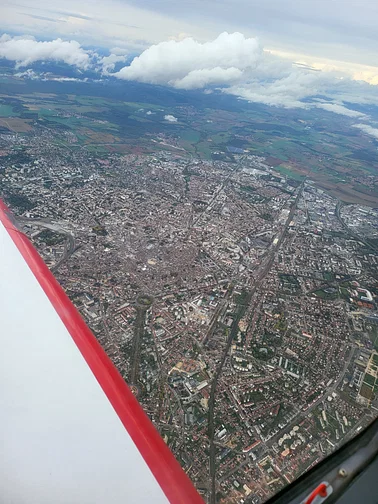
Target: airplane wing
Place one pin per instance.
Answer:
(71, 431)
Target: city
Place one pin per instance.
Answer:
(238, 303)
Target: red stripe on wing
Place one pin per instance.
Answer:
(167, 471)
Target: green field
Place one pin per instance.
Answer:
(190, 136)
(7, 111)
(289, 173)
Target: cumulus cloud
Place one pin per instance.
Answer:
(26, 50)
(237, 64)
(367, 129)
(173, 61)
(170, 118)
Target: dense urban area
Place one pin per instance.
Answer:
(239, 304)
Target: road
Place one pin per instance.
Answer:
(69, 247)
(264, 270)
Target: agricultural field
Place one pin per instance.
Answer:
(299, 143)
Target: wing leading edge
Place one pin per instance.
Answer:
(70, 428)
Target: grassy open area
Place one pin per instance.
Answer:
(369, 380)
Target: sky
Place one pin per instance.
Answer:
(332, 30)
(277, 52)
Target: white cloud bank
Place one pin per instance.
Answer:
(367, 129)
(26, 50)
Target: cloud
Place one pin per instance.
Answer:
(47, 76)
(287, 91)
(173, 61)
(230, 60)
(42, 18)
(337, 108)
(28, 74)
(114, 23)
(107, 63)
(119, 51)
(334, 29)
(26, 50)
(170, 118)
(231, 63)
(367, 129)
(208, 76)
(339, 30)
(64, 79)
(73, 15)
